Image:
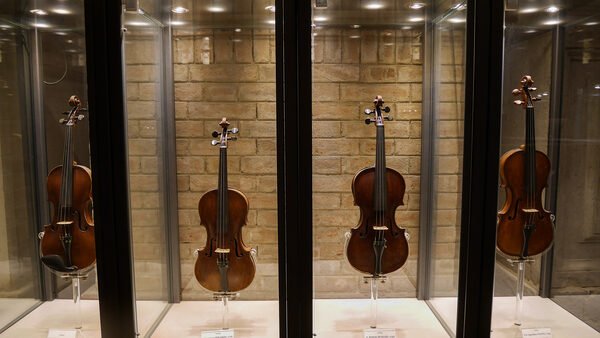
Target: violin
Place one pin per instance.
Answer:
(68, 244)
(225, 264)
(524, 228)
(377, 245)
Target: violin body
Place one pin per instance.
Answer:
(83, 249)
(242, 267)
(511, 217)
(359, 250)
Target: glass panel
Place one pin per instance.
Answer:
(224, 66)
(145, 123)
(556, 46)
(45, 47)
(448, 116)
(18, 252)
(362, 49)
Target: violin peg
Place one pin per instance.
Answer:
(368, 111)
(214, 142)
(388, 118)
(516, 92)
(232, 138)
(234, 131)
(532, 89)
(386, 109)
(80, 117)
(215, 133)
(368, 121)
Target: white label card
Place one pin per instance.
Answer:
(380, 333)
(537, 333)
(52, 333)
(217, 334)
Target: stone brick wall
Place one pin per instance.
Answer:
(144, 118)
(351, 67)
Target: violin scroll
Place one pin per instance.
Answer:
(525, 92)
(224, 135)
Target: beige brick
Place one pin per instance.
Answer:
(416, 92)
(326, 92)
(331, 218)
(326, 201)
(333, 44)
(188, 217)
(447, 183)
(188, 200)
(149, 165)
(267, 218)
(267, 183)
(328, 183)
(148, 129)
(266, 147)
(181, 110)
(216, 111)
(223, 48)
(335, 73)
(143, 182)
(133, 91)
(449, 129)
(410, 73)
(387, 48)
(183, 183)
(188, 91)
(135, 165)
(266, 111)
(449, 146)
(141, 73)
(212, 165)
(266, 73)
(378, 74)
(326, 165)
(243, 48)
(336, 111)
(218, 92)
(204, 49)
(189, 128)
(407, 111)
(448, 165)
(181, 73)
(183, 50)
(258, 128)
(259, 165)
(202, 183)
(351, 47)
(261, 46)
(415, 129)
(224, 73)
(368, 46)
(141, 110)
(262, 200)
(257, 92)
(326, 129)
(403, 48)
(190, 164)
(407, 147)
(335, 147)
(363, 92)
(318, 49)
(142, 147)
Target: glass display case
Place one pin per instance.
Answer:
(289, 168)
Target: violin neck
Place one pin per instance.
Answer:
(530, 152)
(66, 187)
(223, 195)
(380, 190)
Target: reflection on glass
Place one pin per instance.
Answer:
(448, 118)
(557, 46)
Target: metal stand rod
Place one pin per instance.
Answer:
(520, 291)
(75, 282)
(225, 298)
(225, 322)
(374, 297)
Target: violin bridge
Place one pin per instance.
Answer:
(530, 211)
(222, 251)
(64, 222)
(380, 227)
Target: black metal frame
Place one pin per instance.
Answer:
(108, 147)
(294, 150)
(483, 102)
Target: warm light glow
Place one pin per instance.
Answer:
(355, 26)
(41, 25)
(417, 5)
(180, 10)
(137, 23)
(415, 19)
(37, 11)
(354, 36)
(271, 22)
(459, 7)
(529, 10)
(552, 9)
(62, 11)
(597, 86)
(406, 27)
(237, 30)
(69, 41)
(457, 20)
(61, 33)
(591, 23)
(177, 23)
(216, 9)
(374, 5)
(320, 18)
(270, 8)
(530, 31)
(551, 22)
(5, 26)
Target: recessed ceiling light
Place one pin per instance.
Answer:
(355, 26)
(177, 23)
(591, 23)
(597, 86)
(37, 11)
(216, 9)
(551, 22)
(374, 5)
(415, 19)
(417, 5)
(270, 8)
(271, 22)
(62, 11)
(354, 36)
(387, 34)
(179, 10)
(530, 31)
(457, 20)
(137, 23)
(60, 33)
(406, 27)
(529, 10)
(69, 41)
(552, 9)
(237, 30)
(320, 18)
(41, 25)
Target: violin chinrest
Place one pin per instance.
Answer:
(55, 262)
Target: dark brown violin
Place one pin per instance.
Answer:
(377, 245)
(225, 264)
(68, 244)
(525, 228)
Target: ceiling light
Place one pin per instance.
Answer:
(315, 34)
(320, 18)
(37, 11)
(552, 9)
(551, 22)
(591, 23)
(62, 11)
(41, 25)
(69, 41)
(216, 9)
(530, 31)
(4, 26)
(270, 8)
(374, 5)
(457, 20)
(177, 23)
(179, 10)
(406, 27)
(529, 10)
(237, 30)
(137, 23)
(597, 86)
(354, 36)
(417, 5)
(387, 34)
(271, 22)
(355, 26)
(60, 33)
(415, 19)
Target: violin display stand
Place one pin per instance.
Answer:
(225, 297)
(76, 331)
(520, 287)
(374, 281)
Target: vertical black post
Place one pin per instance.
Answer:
(109, 168)
(483, 103)
(294, 168)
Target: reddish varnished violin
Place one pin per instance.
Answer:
(68, 243)
(225, 264)
(377, 245)
(525, 228)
